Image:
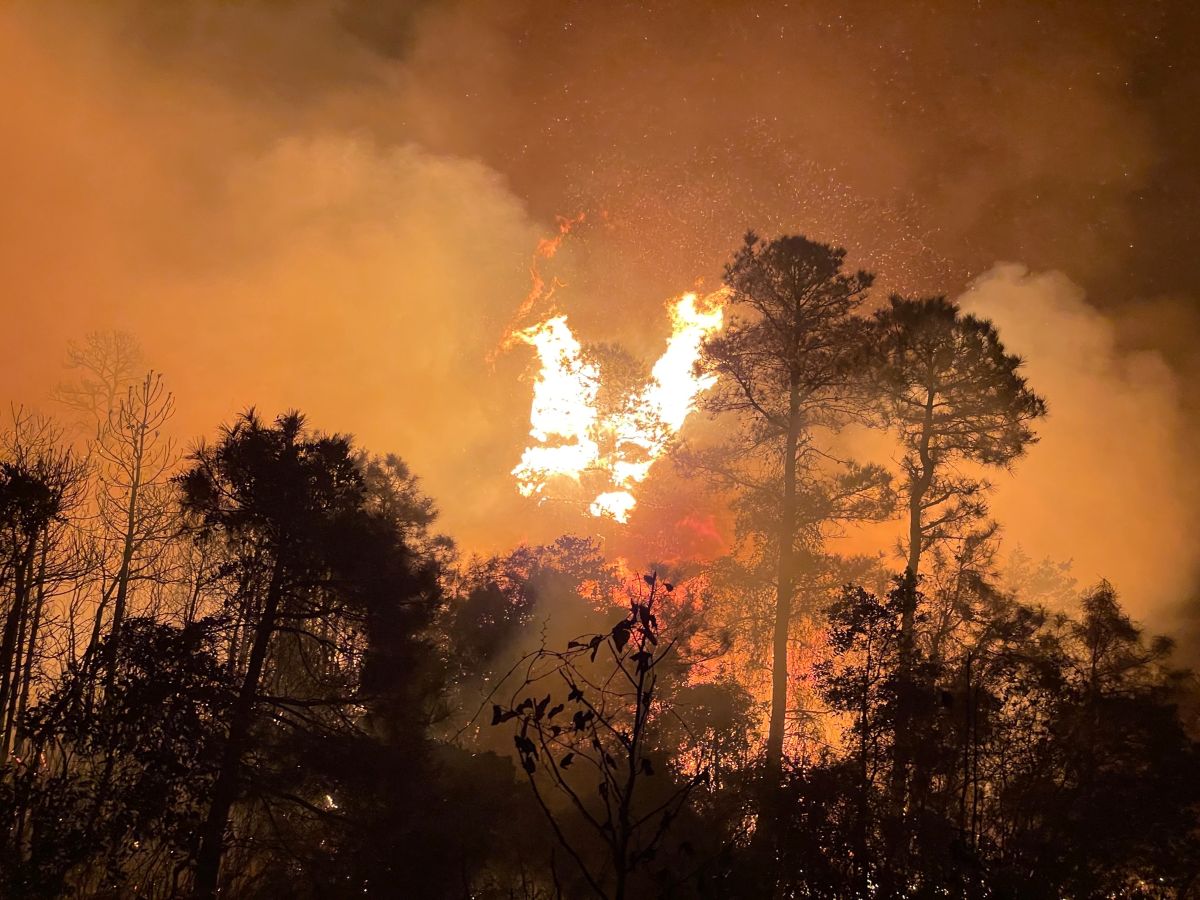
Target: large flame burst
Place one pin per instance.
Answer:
(574, 436)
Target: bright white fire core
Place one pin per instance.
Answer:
(617, 447)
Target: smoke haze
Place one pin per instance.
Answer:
(333, 206)
(1110, 485)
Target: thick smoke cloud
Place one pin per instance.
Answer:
(317, 268)
(332, 205)
(1111, 485)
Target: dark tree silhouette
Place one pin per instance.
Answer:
(952, 394)
(307, 548)
(120, 782)
(783, 365)
(41, 490)
(136, 508)
(586, 740)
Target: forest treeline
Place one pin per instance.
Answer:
(254, 668)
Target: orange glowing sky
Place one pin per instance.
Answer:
(333, 206)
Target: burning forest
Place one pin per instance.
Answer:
(638, 450)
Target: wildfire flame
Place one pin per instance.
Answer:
(539, 290)
(622, 444)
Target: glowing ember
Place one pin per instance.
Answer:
(571, 431)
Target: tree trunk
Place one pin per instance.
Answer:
(901, 745)
(34, 627)
(127, 547)
(9, 656)
(918, 487)
(783, 593)
(862, 825)
(212, 835)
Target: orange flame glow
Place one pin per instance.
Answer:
(539, 291)
(571, 431)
